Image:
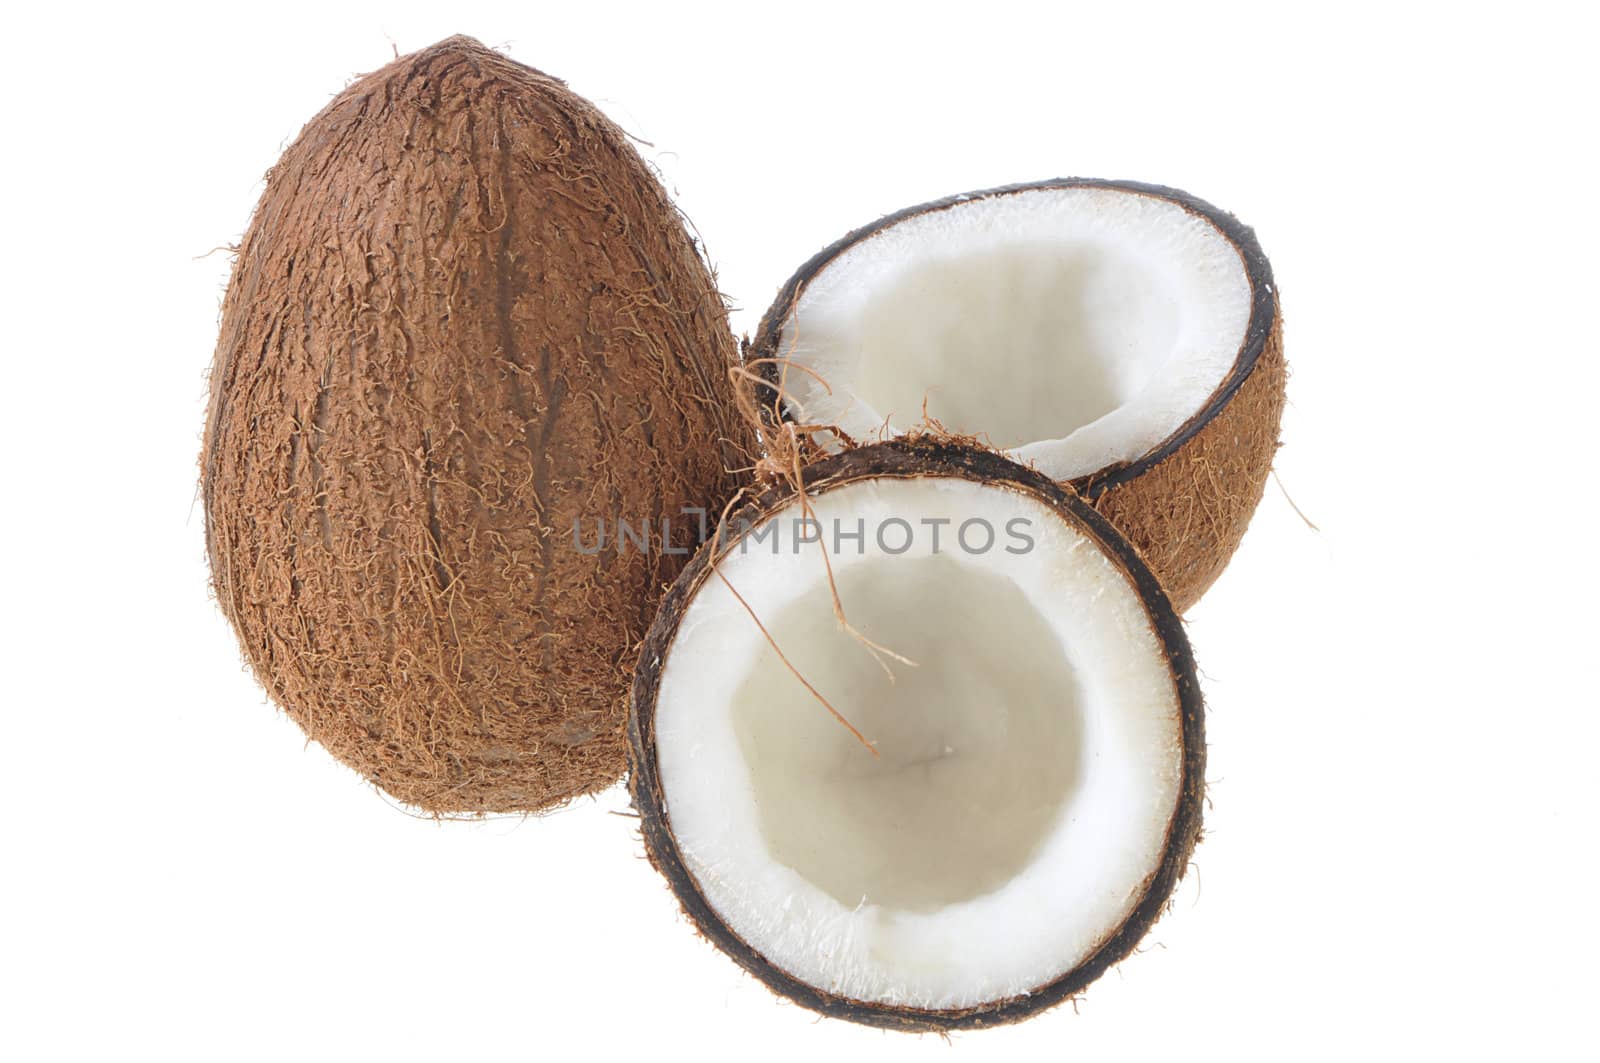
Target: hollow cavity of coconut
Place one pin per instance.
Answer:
(1122, 338)
(1035, 791)
(464, 319)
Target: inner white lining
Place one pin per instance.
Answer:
(1076, 327)
(1030, 765)
(976, 756)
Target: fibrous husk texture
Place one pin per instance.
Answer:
(464, 316)
(1187, 514)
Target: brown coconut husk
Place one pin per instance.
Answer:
(464, 316)
(928, 452)
(1185, 504)
(1188, 511)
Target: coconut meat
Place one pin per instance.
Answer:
(1077, 327)
(1029, 765)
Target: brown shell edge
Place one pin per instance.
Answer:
(903, 458)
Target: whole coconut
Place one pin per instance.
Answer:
(466, 330)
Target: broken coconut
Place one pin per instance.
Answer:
(465, 316)
(1122, 338)
(1032, 790)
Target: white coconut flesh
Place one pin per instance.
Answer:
(1029, 766)
(1076, 327)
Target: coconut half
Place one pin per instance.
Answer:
(1035, 791)
(1121, 338)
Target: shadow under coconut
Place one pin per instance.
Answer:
(980, 744)
(1067, 334)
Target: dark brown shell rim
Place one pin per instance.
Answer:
(904, 459)
(1263, 305)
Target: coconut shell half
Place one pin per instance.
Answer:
(1032, 790)
(465, 320)
(1123, 338)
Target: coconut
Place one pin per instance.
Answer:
(1122, 338)
(963, 804)
(466, 335)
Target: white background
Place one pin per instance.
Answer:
(1400, 848)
